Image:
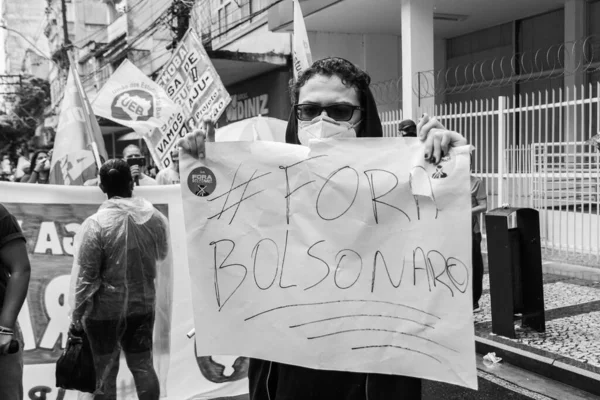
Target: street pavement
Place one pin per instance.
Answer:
(571, 340)
(505, 382)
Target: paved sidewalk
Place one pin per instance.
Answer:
(569, 350)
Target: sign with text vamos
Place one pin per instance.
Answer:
(191, 81)
(132, 99)
(351, 255)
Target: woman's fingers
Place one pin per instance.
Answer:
(200, 140)
(208, 126)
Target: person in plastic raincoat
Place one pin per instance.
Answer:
(121, 286)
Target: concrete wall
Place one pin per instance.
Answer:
(259, 40)
(379, 55)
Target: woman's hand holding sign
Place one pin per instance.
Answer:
(437, 138)
(194, 142)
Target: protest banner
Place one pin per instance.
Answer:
(50, 216)
(190, 80)
(352, 255)
(132, 99)
(78, 144)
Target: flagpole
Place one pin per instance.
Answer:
(87, 113)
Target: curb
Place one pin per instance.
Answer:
(548, 367)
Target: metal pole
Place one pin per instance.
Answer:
(501, 146)
(66, 40)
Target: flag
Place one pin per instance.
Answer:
(301, 50)
(132, 99)
(78, 144)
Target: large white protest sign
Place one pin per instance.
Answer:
(132, 99)
(190, 79)
(50, 215)
(354, 255)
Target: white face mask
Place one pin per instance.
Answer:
(324, 127)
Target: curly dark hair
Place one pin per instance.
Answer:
(350, 74)
(34, 158)
(115, 176)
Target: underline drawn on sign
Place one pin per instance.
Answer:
(391, 346)
(341, 301)
(362, 315)
(380, 330)
(242, 197)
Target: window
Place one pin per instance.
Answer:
(225, 13)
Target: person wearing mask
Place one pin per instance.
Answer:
(139, 177)
(121, 284)
(331, 99)
(15, 271)
(170, 175)
(40, 168)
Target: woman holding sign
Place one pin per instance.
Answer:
(332, 99)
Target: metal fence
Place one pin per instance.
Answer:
(531, 151)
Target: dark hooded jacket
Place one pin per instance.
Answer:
(277, 381)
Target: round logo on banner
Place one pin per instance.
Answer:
(133, 105)
(202, 182)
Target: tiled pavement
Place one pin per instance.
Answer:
(572, 310)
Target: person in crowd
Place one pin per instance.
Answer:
(15, 271)
(170, 175)
(122, 281)
(139, 177)
(478, 207)
(40, 168)
(23, 163)
(336, 93)
(408, 128)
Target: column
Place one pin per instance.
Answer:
(575, 31)
(417, 56)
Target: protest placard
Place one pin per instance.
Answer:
(352, 255)
(132, 99)
(50, 216)
(191, 81)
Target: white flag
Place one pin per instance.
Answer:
(132, 99)
(301, 50)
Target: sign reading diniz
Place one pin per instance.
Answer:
(191, 81)
(243, 106)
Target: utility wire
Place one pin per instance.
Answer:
(40, 52)
(246, 19)
(148, 31)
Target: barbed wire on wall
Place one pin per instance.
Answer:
(387, 92)
(557, 61)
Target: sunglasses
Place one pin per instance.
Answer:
(338, 112)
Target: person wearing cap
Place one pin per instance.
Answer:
(408, 128)
(170, 175)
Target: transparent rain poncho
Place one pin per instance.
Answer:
(121, 290)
